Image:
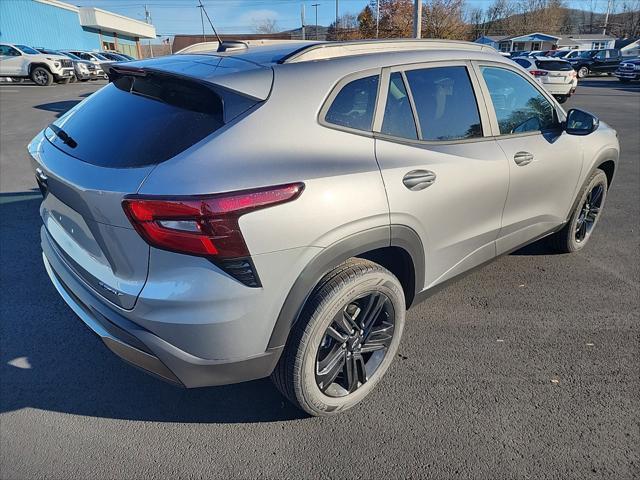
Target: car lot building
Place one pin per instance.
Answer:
(543, 41)
(59, 25)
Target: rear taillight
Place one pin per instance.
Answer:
(205, 226)
(538, 73)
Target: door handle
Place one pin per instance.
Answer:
(419, 179)
(523, 158)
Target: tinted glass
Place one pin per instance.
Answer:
(519, 106)
(8, 51)
(398, 116)
(523, 62)
(554, 65)
(138, 121)
(28, 50)
(354, 105)
(445, 103)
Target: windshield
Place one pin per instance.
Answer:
(99, 57)
(28, 50)
(70, 55)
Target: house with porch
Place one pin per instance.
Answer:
(586, 41)
(519, 43)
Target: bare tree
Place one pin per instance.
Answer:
(444, 19)
(265, 25)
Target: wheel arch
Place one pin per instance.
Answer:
(397, 248)
(34, 65)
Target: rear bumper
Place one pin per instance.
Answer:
(142, 348)
(559, 88)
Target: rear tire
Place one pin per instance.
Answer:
(41, 77)
(576, 233)
(583, 72)
(370, 301)
(562, 98)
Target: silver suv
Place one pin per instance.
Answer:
(275, 210)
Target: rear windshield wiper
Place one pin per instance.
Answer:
(64, 136)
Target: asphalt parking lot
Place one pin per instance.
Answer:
(528, 368)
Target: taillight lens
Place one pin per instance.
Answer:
(538, 73)
(206, 226)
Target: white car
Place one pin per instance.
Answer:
(21, 61)
(556, 75)
(568, 54)
(94, 57)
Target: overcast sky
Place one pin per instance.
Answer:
(240, 16)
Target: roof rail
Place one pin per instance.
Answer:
(325, 51)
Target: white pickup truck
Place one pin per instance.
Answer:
(20, 61)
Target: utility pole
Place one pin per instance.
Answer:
(337, 16)
(316, 5)
(417, 19)
(377, 18)
(204, 38)
(147, 19)
(606, 18)
(304, 33)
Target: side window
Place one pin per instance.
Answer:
(519, 106)
(398, 117)
(7, 51)
(445, 103)
(601, 55)
(354, 105)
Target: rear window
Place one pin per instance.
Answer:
(354, 105)
(137, 121)
(554, 65)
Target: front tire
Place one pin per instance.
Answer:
(562, 98)
(583, 72)
(41, 77)
(345, 339)
(576, 233)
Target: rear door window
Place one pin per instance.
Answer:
(354, 105)
(398, 118)
(137, 121)
(445, 103)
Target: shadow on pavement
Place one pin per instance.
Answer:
(51, 361)
(609, 84)
(59, 107)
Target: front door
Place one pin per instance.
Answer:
(544, 162)
(11, 61)
(445, 176)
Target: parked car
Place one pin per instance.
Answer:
(556, 75)
(266, 213)
(519, 53)
(83, 70)
(114, 57)
(596, 61)
(628, 70)
(97, 59)
(21, 61)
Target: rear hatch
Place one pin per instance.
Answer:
(560, 71)
(100, 151)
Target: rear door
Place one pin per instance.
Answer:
(445, 176)
(544, 162)
(101, 151)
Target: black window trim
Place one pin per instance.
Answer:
(495, 128)
(485, 120)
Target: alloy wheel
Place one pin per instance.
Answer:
(40, 77)
(589, 213)
(355, 344)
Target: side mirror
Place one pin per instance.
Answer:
(580, 122)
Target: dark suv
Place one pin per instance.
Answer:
(596, 61)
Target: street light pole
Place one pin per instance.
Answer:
(316, 5)
(337, 15)
(377, 18)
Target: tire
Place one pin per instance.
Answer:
(73, 79)
(562, 98)
(84, 79)
(64, 81)
(583, 72)
(41, 77)
(576, 233)
(624, 80)
(348, 291)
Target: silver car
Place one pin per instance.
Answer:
(275, 210)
